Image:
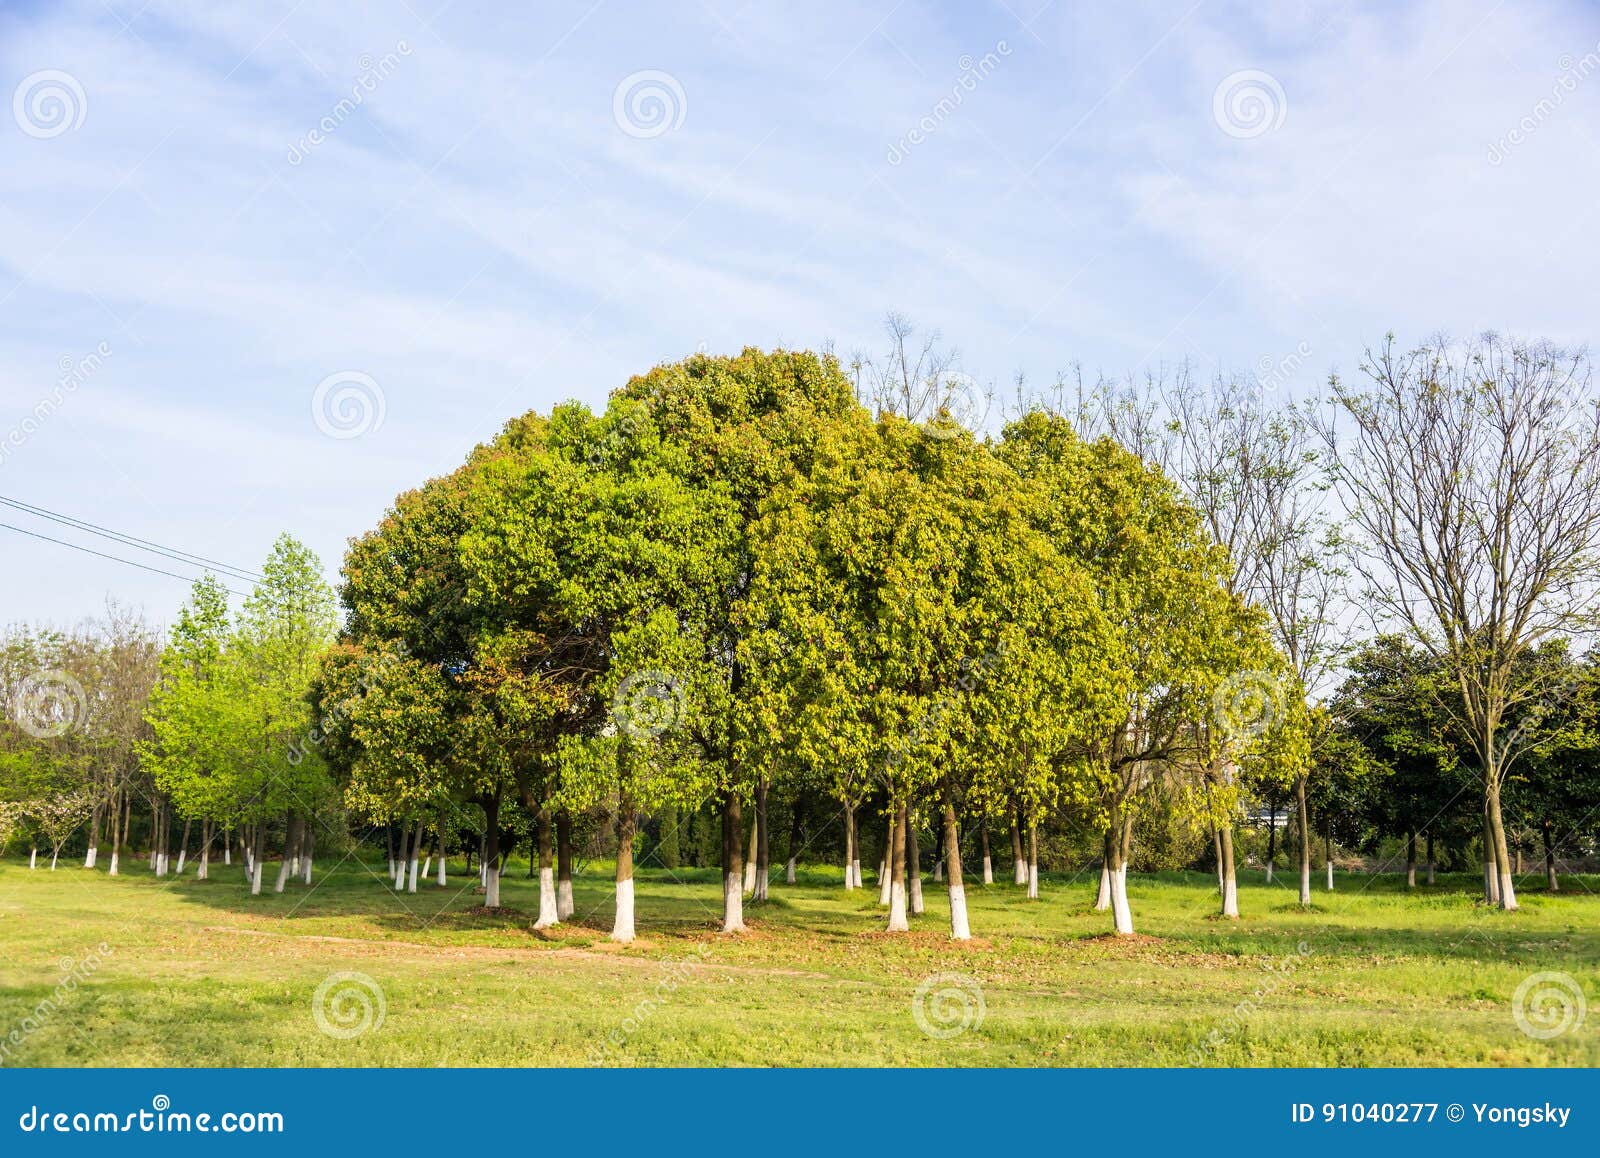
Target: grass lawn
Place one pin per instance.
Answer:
(200, 973)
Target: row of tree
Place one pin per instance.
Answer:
(769, 582)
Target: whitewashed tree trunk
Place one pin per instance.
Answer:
(1269, 872)
(938, 869)
(1330, 876)
(622, 929)
(255, 879)
(415, 860)
(91, 856)
(427, 867)
(959, 930)
(1020, 875)
(849, 873)
(1102, 900)
(491, 887)
(855, 867)
(227, 853)
(283, 873)
(914, 883)
(53, 856)
(1121, 912)
(988, 870)
(1230, 897)
(203, 869)
(547, 899)
(112, 871)
(442, 860)
(788, 872)
(897, 908)
(732, 904)
(1033, 880)
(183, 855)
(1305, 884)
(33, 859)
(750, 876)
(883, 885)
(1430, 872)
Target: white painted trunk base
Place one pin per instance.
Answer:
(988, 871)
(959, 930)
(427, 868)
(227, 855)
(750, 876)
(547, 899)
(411, 884)
(1102, 899)
(1508, 892)
(113, 869)
(917, 907)
(883, 887)
(1330, 876)
(440, 881)
(1121, 913)
(564, 906)
(1020, 872)
(622, 930)
(1033, 882)
(938, 869)
(1269, 872)
(255, 880)
(897, 908)
(491, 890)
(849, 876)
(183, 855)
(788, 872)
(33, 859)
(307, 870)
(1305, 884)
(1230, 898)
(856, 868)
(732, 904)
(53, 857)
(90, 857)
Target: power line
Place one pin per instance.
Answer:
(103, 555)
(133, 541)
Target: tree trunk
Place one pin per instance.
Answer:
(983, 846)
(255, 859)
(1033, 861)
(852, 855)
(913, 868)
(308, 843)
(1327, 850)
(897, 873)
(1102, 897)
(959, 930)
(763, 844)
(886, 869)
(1272, 838)
(1216, 851)
(388, 837)
(183, 845)
(1230, 878)
(227, 848)
(750, 853)
(1430, 856)
(622, 929)
(547, 874)
(414, 862)
(564, 905)
(490, 862)
(1508, 890)
(1019, 875)
(797, 831)
(1121, 914)
(33, 858)
(1550, 880)
(290, 824)
(95, 820)
(1303, 831)
(119, 831)
(1411, 860)
(732, 865)
(444, 855)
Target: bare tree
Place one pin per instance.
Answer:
(1472, 474)
(920, 382)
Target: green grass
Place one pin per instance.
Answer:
(200, 973)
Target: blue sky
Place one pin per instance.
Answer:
(497, 225)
